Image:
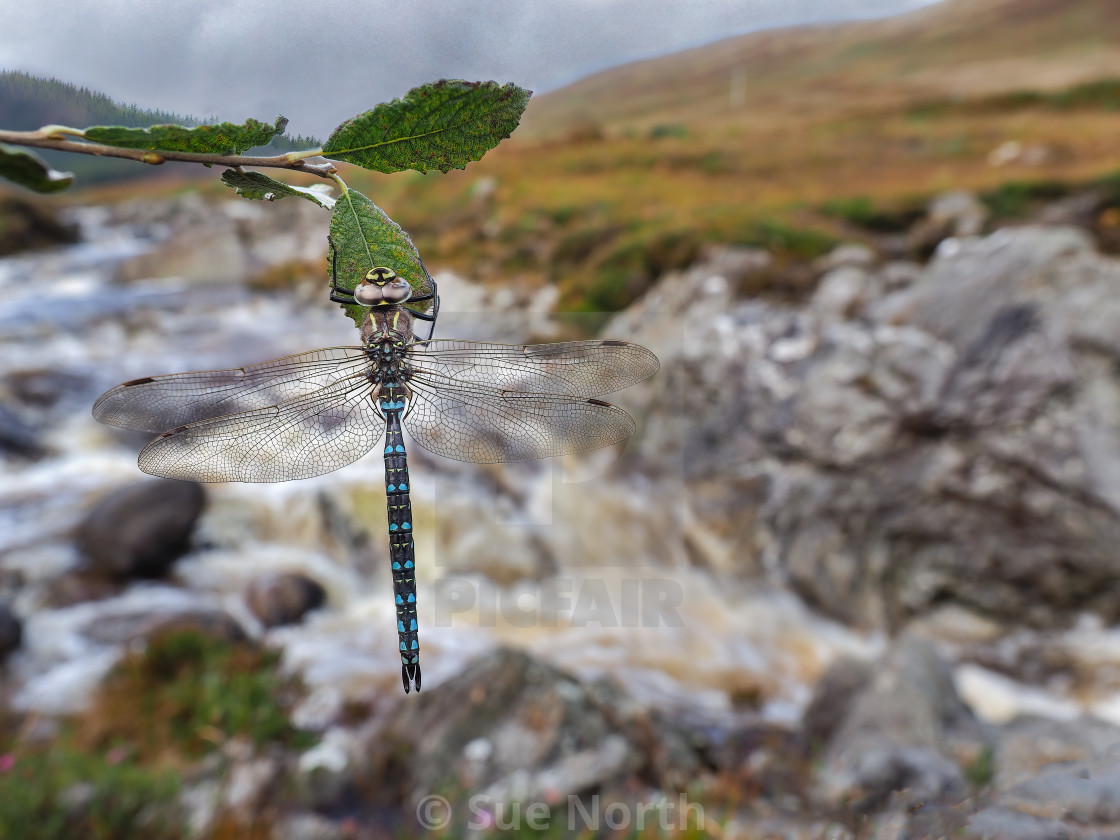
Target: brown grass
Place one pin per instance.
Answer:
(630, 158)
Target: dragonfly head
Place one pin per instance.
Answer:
(382, 286)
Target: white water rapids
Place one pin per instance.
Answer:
(580, 562)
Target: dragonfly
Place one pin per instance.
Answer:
(312, 413)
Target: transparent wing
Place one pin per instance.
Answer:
(159, 403)
(484, 424)
(573, 368)
(310, 435)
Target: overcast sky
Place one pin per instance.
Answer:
(319, 63)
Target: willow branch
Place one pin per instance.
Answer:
(42, 139)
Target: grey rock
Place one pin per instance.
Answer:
(11, 631)
(842, 293)
(141, 529)
(1073, 799)
(901, 735)
(1002, 824)
(847, 254)
(1029, 744)
(306, 826)
(515, 729)
(25, 225)
(952, 214)
(833, 697)
(954, 441)
(283, 598)
(123, 627)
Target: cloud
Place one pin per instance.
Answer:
(321, 63)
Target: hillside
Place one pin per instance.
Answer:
(952, 49)
(29, 102)
(789, 139)
(781, 139)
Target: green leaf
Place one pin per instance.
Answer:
(366, 238)
(259, 186)
(219, 139)
(29, 170)
(444, 125)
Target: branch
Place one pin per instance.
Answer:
(50, 138)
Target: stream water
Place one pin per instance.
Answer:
(581, 562)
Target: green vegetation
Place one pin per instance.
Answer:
(982, 771)
(1013, 199)
(190, 693)
(1101, 94)
(788, 240)
(29, 102)
(57, 792)
(63, 793)
(115, 772)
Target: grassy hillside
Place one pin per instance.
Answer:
(781, 138)
(630, 171)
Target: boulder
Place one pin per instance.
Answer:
(283, 598)
(25, 225)
(11, 631)
(906, 734)
(951, 441)
(139, 530)
(511, 728)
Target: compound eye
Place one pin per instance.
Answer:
(368, 294)
(397, 291)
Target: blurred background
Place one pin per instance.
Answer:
(854, 576)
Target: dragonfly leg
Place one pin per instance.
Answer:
(376, 404)
(409, 400)
(338, 293)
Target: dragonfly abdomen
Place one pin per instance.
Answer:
(402, 553)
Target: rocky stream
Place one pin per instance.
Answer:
(855, 576)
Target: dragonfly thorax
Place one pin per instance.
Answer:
(386, 327)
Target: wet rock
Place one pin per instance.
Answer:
(250, 785)
(43, 388)
(1003, 824)
(127, 626)
(77, 587)
(842, 293)
(511, 728)
(1029, 743)
(11, 631)
(141, 529)
(325, 772)
(283, 598)
(1069, 799)
(17, 436)
(957, 213)
(25, 225)
(952, 443)
(906, 734)
(848, 254)
(225, 241)
(306, 826)
(833, 697)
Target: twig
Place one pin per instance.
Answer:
(51, 139)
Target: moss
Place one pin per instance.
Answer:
(1013, 199)
(61, 792)
(863, 212)
(779, 237)
(982, 771)
(187, 693)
